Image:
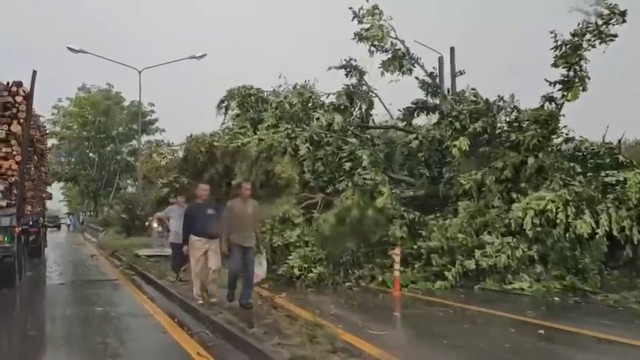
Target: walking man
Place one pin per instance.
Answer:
(241, 224)
(201, 240)
(173, 216)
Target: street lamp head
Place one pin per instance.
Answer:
(199, 56)
(76, 50)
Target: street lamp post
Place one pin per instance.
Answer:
(77, 50)
(440, 65)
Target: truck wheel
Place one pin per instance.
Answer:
(14, 275)
(15, 271)
(24, 262)
(36, 252)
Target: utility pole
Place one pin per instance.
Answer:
(452, 68)
(443, 86)
(452, 65)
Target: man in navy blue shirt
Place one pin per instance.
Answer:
(201, 240)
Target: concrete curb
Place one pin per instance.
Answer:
(256, 351)
(91, 238)
(238, 340)
(352, 343)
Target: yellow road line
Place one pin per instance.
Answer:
(180, 336)
(547, 324)
(359, 343)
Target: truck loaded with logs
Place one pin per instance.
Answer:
(23, 180)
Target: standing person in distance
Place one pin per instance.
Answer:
(74, 223)
(241, 224)
(201, 240)
(173, 216)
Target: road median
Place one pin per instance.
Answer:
(269, 331)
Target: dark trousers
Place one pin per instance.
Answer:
(178, 259)
(241, 261)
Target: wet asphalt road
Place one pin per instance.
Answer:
(69, 308)
(432, 331)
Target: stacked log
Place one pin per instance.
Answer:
(37, 168)
(14, 102)
(13, 114)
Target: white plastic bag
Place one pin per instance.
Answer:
(260, 269)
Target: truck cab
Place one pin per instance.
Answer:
(53, 222)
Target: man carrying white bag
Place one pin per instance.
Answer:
(241, 239)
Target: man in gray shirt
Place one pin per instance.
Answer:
(241, 227)
(173, 215)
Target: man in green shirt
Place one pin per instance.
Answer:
(241, 229)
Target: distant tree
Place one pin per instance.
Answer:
(93, 149)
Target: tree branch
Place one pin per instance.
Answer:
(604, 136)
(318, 199)
(378, 97)
(386, 127)
(115, 184)
(406, 48)
(402, 178)
(411, 195)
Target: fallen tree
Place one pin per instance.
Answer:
(480, 190)
(475, 190)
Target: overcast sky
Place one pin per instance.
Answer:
(502, 44)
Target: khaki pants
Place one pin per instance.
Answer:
(204, 256)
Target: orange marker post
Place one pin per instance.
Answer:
(395, 254)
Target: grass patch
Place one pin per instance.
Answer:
(124, 246)
(127, 247)
(304, 340)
